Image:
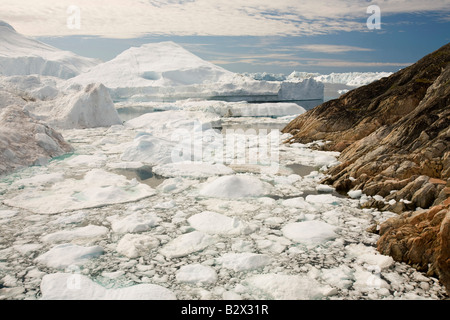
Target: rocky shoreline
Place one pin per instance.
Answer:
(394, 139)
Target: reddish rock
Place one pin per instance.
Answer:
(421, 239)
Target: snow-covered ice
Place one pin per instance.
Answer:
(81, 233)
(65, 255)
(235, 186)
(244, 261)
(194, 170)
(216, 223)
(88, 107)
(310, 232)
(136, 245)
(133, 223)
(287, 287)
(98, 188)
(187, 243)
(67, 286)
(196, 274)
(355, 79)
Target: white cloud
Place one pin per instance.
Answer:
(291, 60)
(328, 48)
(133, 18)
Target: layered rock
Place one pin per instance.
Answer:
(421, 239)
(394, 139)
(394, 135)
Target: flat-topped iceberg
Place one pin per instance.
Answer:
(167, 72)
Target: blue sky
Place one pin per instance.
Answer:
(251, 36)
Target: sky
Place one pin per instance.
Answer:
(246, 36)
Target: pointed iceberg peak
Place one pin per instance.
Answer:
(22, 55)
(7, 25)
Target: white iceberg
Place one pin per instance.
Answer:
(167, 72)
(88, 107)
(354, 79)
(20, 55)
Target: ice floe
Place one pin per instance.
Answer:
(97, 188)
(193, 170)
(67, 286)
(244, 261)
(136, 245)
(196, 274)
(76, 234)
(288, 287)
(216, 223)
(310, 232)
(134, 222)
(187, 243)
(65, 255)
(235, 186)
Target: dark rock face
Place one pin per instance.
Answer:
(394, 134)
(394, 139)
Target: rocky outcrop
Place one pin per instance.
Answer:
(421, 239)
(393, 134)
(25, 141)
(394, 139)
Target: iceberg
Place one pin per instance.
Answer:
(89, 107)
(165, 71)
(353, 79)
(20, 55)
(25, 141)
